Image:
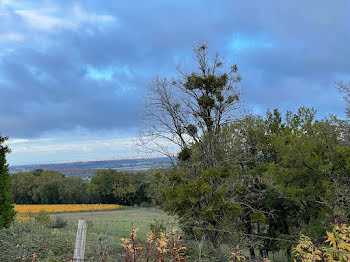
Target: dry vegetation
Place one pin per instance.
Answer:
(65, 208)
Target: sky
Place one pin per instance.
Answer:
(73, 74)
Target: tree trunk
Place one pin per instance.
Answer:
(252, 253)
(215, 240)
(261, 252)
(250, 231)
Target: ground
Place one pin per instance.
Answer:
(117, 223)
(40, 242)
(22, 241)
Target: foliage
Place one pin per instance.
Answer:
(336, 247)
(311, 169)
(73, 190)
(43, 187)
(107, 187)
(112, 186)
(59, 222)
(167, 247)
(24, 241)
(191, 108)
(157, 227)
(132, 247)
(203, 201)
(42, 217)
(236, 255)
(345, 89)
(156, 187)
(23, 217)
(306, 250)
(6, 208)
(279, 175)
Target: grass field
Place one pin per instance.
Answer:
(125, 214)
(117, 223)
(105, 230)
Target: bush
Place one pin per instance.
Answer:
(336, 247)
(42, 217)
(7, 212)
(167, 247)
(157, 227)
(145, 204)
(23, 218)
(89, 223)
(58, 222)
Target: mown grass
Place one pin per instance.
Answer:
(126, 214)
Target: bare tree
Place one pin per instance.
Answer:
(191, 108)
(345, 89)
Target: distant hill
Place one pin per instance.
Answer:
(88, 168)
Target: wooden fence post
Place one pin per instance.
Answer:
(79, 249)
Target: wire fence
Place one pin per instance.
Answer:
(103, 240)
(36, 242)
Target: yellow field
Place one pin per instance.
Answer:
(23, 209)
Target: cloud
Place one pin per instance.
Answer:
(241, 42)
(87, 65)
(49, 17)
(11, 37)
(82, 16)
(69, 147)
(96, 74)
(39, 20)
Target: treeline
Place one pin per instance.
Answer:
(268, 176)
(275, 177)
(106, 186)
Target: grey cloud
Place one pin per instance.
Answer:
(44, 83)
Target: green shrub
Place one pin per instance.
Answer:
(7, 212)
(157, 227)
(43, 217)
(58, 222)
(89, 223)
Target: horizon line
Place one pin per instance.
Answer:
(89, 160)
